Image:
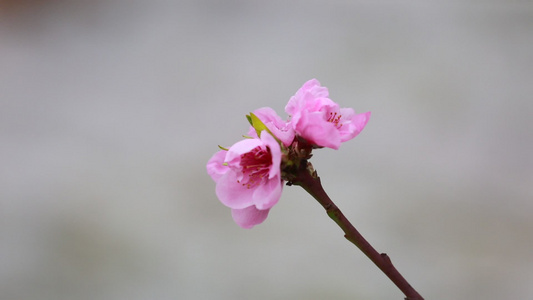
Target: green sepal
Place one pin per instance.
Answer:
(225, 149)
(257, 124)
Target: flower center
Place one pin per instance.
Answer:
(335, 119)
(255, 167)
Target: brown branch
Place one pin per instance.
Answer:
(308, 180)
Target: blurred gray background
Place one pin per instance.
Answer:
(109, 111)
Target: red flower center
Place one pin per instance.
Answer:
(255, 166)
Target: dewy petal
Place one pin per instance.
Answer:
(249, 217)
(215, 165)
(233, 194)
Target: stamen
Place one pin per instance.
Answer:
(335, 119)
(255, 167)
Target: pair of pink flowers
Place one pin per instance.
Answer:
(248, 175)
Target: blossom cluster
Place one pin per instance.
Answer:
(249, 175)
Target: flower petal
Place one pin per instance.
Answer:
(215, 165)
(320, 120)
(315, 129)
(267, 195)
(249, 217)
(353, 125)
(232, 193)
(233, 157)
(361, 120)
(310, 89)
(275, 152)
(279, 128)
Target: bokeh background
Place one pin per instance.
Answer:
(109, 111)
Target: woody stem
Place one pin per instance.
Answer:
(310, 182)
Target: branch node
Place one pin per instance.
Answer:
(386, 258)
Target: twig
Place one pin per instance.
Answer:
(308, 180)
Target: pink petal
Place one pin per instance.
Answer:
(275, 152)
(361, 120)
(354, 124)
(311, 89)
(267, 114)
(279, 128)
(315, 129)
(252, 133)
(267, 195)
(233, 157)
(215, 167)
(232, 193)
(312, 104)
(249, 217)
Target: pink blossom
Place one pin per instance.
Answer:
(321, 121)
(281, 129)
(248, 178)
